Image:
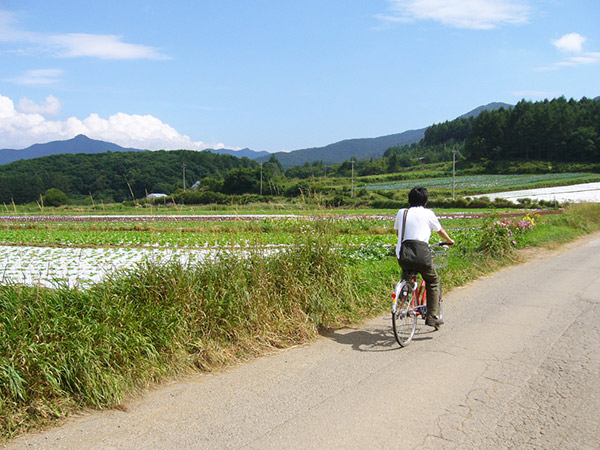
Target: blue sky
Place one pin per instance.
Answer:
(279, 74)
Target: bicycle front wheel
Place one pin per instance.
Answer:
(404, 320)
(441, 304)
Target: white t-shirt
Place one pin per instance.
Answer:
(420, 222)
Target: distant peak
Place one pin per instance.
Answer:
(82, 137)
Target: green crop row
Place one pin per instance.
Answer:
(486, 183)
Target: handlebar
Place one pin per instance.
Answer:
(441, 244)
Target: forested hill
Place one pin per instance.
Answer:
(111, 176)
(79, 144)
(557, 130)
(552, 130)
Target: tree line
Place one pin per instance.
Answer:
(112, 176)
(552, 130)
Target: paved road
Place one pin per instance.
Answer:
(516, 366)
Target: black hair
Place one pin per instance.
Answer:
(418, 196)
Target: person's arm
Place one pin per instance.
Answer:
(397, 224)
(445, 236)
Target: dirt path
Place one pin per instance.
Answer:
(241, 217)
(516, 366)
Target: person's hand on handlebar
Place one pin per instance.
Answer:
(444, 235)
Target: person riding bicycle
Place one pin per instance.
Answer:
(413, 227)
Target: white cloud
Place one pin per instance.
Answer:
(570, 43)
(586, 58)
(101, 46)
(471, 14)
(22, 127)
(6, 25)
(75, 45)
(50, 107)
(39, 77)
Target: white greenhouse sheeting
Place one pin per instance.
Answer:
(82, 267)
(576, 193)
(51, 266)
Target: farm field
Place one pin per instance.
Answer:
(80, 267)
(482, 184)
(77, 251)
(587, 192)
(80, 250)
(54, 251)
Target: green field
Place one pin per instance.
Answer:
(482, 184)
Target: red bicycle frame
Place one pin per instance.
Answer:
(419, 296)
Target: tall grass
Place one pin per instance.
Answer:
(65, 349)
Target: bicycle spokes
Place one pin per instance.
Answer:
(404, 319)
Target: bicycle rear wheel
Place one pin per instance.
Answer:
(441, 304)
(404, 320)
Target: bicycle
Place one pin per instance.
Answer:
(409, 299)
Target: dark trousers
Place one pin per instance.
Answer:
(433, 286)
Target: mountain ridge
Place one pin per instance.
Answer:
(69, 146)
(83, 144)
(489, 107)
(335, 153)
(364, 148)
(244, 152)
(361, 148)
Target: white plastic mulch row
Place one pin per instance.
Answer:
(144, 218)
(80, 267)
(576, 193)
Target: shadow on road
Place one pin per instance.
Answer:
(366, 340)
(375, 340)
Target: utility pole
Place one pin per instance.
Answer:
(261, 178)
(352, 185)
(454, 152)
(183, 167)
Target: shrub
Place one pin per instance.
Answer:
(524, 201)
(387, 204)
(194, 197)
(503, 203)
(55, 197)
(549, 204)
(499, 236)
(480, 202)
(339, 200)
(461, 202)
(297, 189)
